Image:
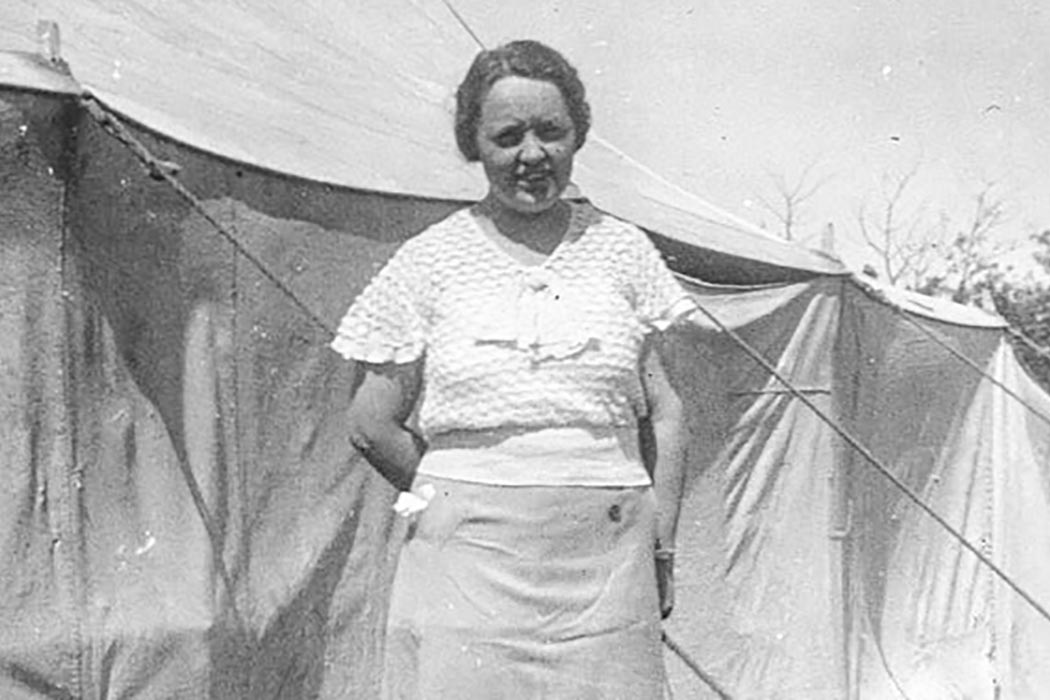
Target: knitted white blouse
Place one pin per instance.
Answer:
(511, 348)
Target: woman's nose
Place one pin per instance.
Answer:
(531, 150)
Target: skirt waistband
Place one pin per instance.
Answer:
(565, 456)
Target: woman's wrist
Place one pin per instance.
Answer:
(663, 551)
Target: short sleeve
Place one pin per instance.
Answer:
(388, 320)
(660, 301)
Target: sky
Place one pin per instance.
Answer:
(722, 98)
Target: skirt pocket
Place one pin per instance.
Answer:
(436, 524)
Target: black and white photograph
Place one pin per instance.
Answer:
(531, 350)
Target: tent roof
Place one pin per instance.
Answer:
(32, 72)
(931, 307)
(278, 84)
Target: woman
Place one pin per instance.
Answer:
(521, 336)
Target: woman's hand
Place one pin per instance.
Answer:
(665, 580)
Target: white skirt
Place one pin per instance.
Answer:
(523, 592)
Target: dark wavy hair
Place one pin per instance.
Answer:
(525, 59)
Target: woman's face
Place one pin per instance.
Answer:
(526, 140)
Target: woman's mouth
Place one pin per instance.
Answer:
(534, 182)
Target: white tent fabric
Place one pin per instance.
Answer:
(944, 626)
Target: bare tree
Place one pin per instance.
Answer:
(969, 265)
(897, 233)
(790, 197)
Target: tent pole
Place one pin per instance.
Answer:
(844, 407)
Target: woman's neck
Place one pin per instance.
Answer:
(540, 232)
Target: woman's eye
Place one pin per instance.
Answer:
(506, 139)
(551, 133)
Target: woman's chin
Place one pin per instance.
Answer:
(529, 203)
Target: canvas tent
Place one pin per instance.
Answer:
(182, 516)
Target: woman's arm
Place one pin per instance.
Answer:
(666, 456)
(664, 452)
(380, 407)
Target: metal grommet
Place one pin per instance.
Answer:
(614, 513)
